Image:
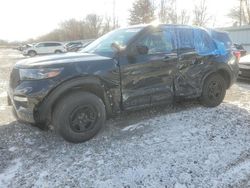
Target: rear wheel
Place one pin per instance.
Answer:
(214, 90)
(32, 53)
(58, 52)
(79, 116)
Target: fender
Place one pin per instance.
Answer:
(224, 69)
(43, 112)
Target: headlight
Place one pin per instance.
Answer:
(38, 74)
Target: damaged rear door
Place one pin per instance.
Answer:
(195, 49)
(148, 70)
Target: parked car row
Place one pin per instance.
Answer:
(52, 47)
(44, 48)
(75, 46)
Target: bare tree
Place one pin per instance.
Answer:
(241, 13)
(72, 29)
(107, 25)
(201, 16)
(114, 17)
(142, 12)
(168, 13)
(172, 12)
(94, 25)
(184, 17)
(247, 11)
(163, 14)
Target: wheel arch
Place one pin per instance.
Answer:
(224, 72)
(87, 84)
(32, 50)
(58, 50)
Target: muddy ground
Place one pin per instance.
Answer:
(182, 146)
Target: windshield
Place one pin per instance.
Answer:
(103, 44)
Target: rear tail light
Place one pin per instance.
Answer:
(237, 54)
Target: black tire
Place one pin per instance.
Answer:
(58, 52)
(32, 53)
(214, 90)
(79, 116)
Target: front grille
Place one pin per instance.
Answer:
(14, 78)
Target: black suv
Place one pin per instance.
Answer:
(129, 68)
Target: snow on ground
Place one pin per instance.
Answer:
(185, 146)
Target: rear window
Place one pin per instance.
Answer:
(222, 37)
(52, 44)
(196, 39)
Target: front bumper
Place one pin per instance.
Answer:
(25, 96)
(21, 110)
(25, 53)
(244, 73)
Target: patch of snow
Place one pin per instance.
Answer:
(185, 178)
(7, 176)
(178, 185)
(132, 127)
(12, 149)
(28, 141)
(234, 176)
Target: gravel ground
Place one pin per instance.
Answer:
(185, 146)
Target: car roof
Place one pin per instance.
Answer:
(160, 25)
(51, 42)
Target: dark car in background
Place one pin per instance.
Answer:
(77, 45)
(68, 45)
(241, 49)
(244, 64)
(126, 69)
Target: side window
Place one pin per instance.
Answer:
(40, 45)
(203, 42)
(56, 44)
(185, 38)
(157, 42)
(51, 44)
(46, 45)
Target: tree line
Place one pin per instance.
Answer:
(91, 27)
(240, 13)
(146, 11)
(142, 12)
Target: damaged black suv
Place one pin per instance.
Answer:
(126, 69)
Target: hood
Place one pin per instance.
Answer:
(245, 60)
(58, 60)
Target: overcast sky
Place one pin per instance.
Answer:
(24, 19)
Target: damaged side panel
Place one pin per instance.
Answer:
(147, 81)
(197, 53)
(191, 71)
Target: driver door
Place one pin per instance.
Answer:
(41, 48)
(147, 76)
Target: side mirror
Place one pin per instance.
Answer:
(116, 47)
(143, 50)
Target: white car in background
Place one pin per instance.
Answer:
(44, 48)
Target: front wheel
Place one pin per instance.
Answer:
(79, 116)
(58, 52)
(214, 90)
(32, 53)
